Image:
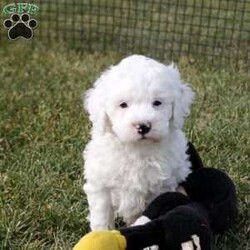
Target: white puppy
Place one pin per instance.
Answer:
(137, 150)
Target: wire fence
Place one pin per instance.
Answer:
(216, 30)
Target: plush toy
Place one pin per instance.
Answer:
(177, 221)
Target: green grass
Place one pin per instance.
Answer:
(43, 131)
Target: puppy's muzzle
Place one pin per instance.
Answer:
(143, 128)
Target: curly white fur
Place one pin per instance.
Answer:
(124, 170)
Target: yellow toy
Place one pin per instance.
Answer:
(101, 240)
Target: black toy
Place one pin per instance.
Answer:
(178, 221)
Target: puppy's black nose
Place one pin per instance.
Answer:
(143, 128)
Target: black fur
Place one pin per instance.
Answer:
(194, 157)
(214, 190)
(164, 203)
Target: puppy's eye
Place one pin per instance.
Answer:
(157, 103)
(123, 105)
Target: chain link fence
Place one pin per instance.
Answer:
(216, 30)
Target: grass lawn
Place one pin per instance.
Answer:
(43, 130)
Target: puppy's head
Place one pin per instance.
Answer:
(138, 99)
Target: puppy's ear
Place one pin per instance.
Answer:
(94, 104)
(183, 99)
